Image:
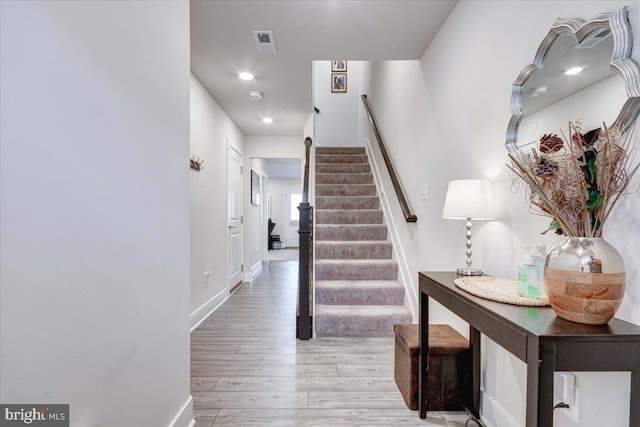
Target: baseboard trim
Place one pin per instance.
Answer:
(207, 308)
(493, 414)
(253, 272)
(404, 273)
(184, 417)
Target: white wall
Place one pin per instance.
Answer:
(337, 123)
(308, 128)
(95, 209)
(212, 131)
(276, 190)
(261, 148)
(309, 131)
(445, 118)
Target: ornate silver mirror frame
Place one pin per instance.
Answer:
(618, 23)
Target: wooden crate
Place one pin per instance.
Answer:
(449, 365)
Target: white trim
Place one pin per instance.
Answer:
(230, 147)
(405, 276)
(287, 223)
(312, 202)
(493, 414)
(264, 218)
(253, 272)
(184, 417)
(207, 308)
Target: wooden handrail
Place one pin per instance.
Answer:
(404, 204)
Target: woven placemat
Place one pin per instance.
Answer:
(497, 289)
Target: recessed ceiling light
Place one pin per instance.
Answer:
(245, 76)
(573, 71)
(267, 120)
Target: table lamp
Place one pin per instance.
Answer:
(469, 199)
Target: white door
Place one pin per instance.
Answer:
(234, 182)
(292, 198)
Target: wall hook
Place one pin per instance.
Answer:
(196, 163)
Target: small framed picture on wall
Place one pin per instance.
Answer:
(255, 188)
(339, 82)
(338, 65)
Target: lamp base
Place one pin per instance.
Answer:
(467, 271)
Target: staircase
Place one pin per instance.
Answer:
(356, 288)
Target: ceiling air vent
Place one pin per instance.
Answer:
(265, 41)
(594, 39)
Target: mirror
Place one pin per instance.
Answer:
(605, 89)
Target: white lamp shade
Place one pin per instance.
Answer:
(469, 198)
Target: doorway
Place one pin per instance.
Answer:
(293, 198)
(282, 173)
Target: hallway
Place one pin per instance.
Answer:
(247, 369)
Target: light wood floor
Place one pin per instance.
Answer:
(288, 254)
(247, 369)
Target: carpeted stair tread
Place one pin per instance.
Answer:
(359, 292)
(347, 202)
(342, 232)
(355, 249)
(356, 269)
(352, 216)
(345, 190)
(340, 150)
(359, 320)
(341, 158)
(344, 178)
(343, 168)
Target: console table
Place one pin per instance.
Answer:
(545, 342)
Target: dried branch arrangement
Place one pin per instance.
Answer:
(577, 180)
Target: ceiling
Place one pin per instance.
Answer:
(222, 45)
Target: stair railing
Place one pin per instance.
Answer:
(409, 216)
(304, 319)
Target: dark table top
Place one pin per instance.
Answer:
(539, 322)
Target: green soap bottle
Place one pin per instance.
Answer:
(527, 276)
(539, 258)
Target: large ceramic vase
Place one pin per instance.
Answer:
(585, 279)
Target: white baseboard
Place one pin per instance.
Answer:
(253, 272)
(207, 308)
(405, 276)
(494, 415)
(184, 417)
